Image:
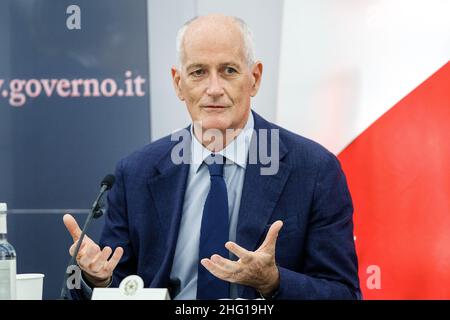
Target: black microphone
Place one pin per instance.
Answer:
(106, 184)
(96, 212)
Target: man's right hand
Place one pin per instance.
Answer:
(91, 259)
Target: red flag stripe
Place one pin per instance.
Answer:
(398, 172)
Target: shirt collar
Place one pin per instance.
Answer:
(236, 151)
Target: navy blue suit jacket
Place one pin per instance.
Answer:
(315, 249)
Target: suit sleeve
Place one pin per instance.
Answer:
(330, 268)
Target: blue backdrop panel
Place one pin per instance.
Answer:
(54, 150)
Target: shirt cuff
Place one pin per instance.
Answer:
(87, 285)
(272, 297)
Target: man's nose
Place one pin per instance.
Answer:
(215, 87)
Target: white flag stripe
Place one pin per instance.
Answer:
(345, 63)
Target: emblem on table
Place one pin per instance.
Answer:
(131, 284)
(130, 287)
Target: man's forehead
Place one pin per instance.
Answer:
(213, 50)
(214, 59)
(213, 40)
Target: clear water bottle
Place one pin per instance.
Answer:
(7, 261)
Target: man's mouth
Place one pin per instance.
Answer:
(214, 107)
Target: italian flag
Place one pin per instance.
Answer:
(370, 80)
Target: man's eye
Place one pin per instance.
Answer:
(230, 70)
(198, 72)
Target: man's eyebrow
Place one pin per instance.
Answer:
(194, 66)
(230, 64)
(221, 65)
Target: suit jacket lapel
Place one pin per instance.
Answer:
(260, 193)
(168, 189)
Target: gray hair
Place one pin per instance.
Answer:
(247, 36)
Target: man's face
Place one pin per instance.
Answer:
(215, 80)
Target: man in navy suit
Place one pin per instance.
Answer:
(203, 213)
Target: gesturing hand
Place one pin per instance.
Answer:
(91, 259)
(256, 269)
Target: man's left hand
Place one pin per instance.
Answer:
(256, 269)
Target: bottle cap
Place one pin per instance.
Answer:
(3, 218)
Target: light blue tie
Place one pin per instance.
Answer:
(214, 231)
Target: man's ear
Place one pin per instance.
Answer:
(257, 70)
(176, 79)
